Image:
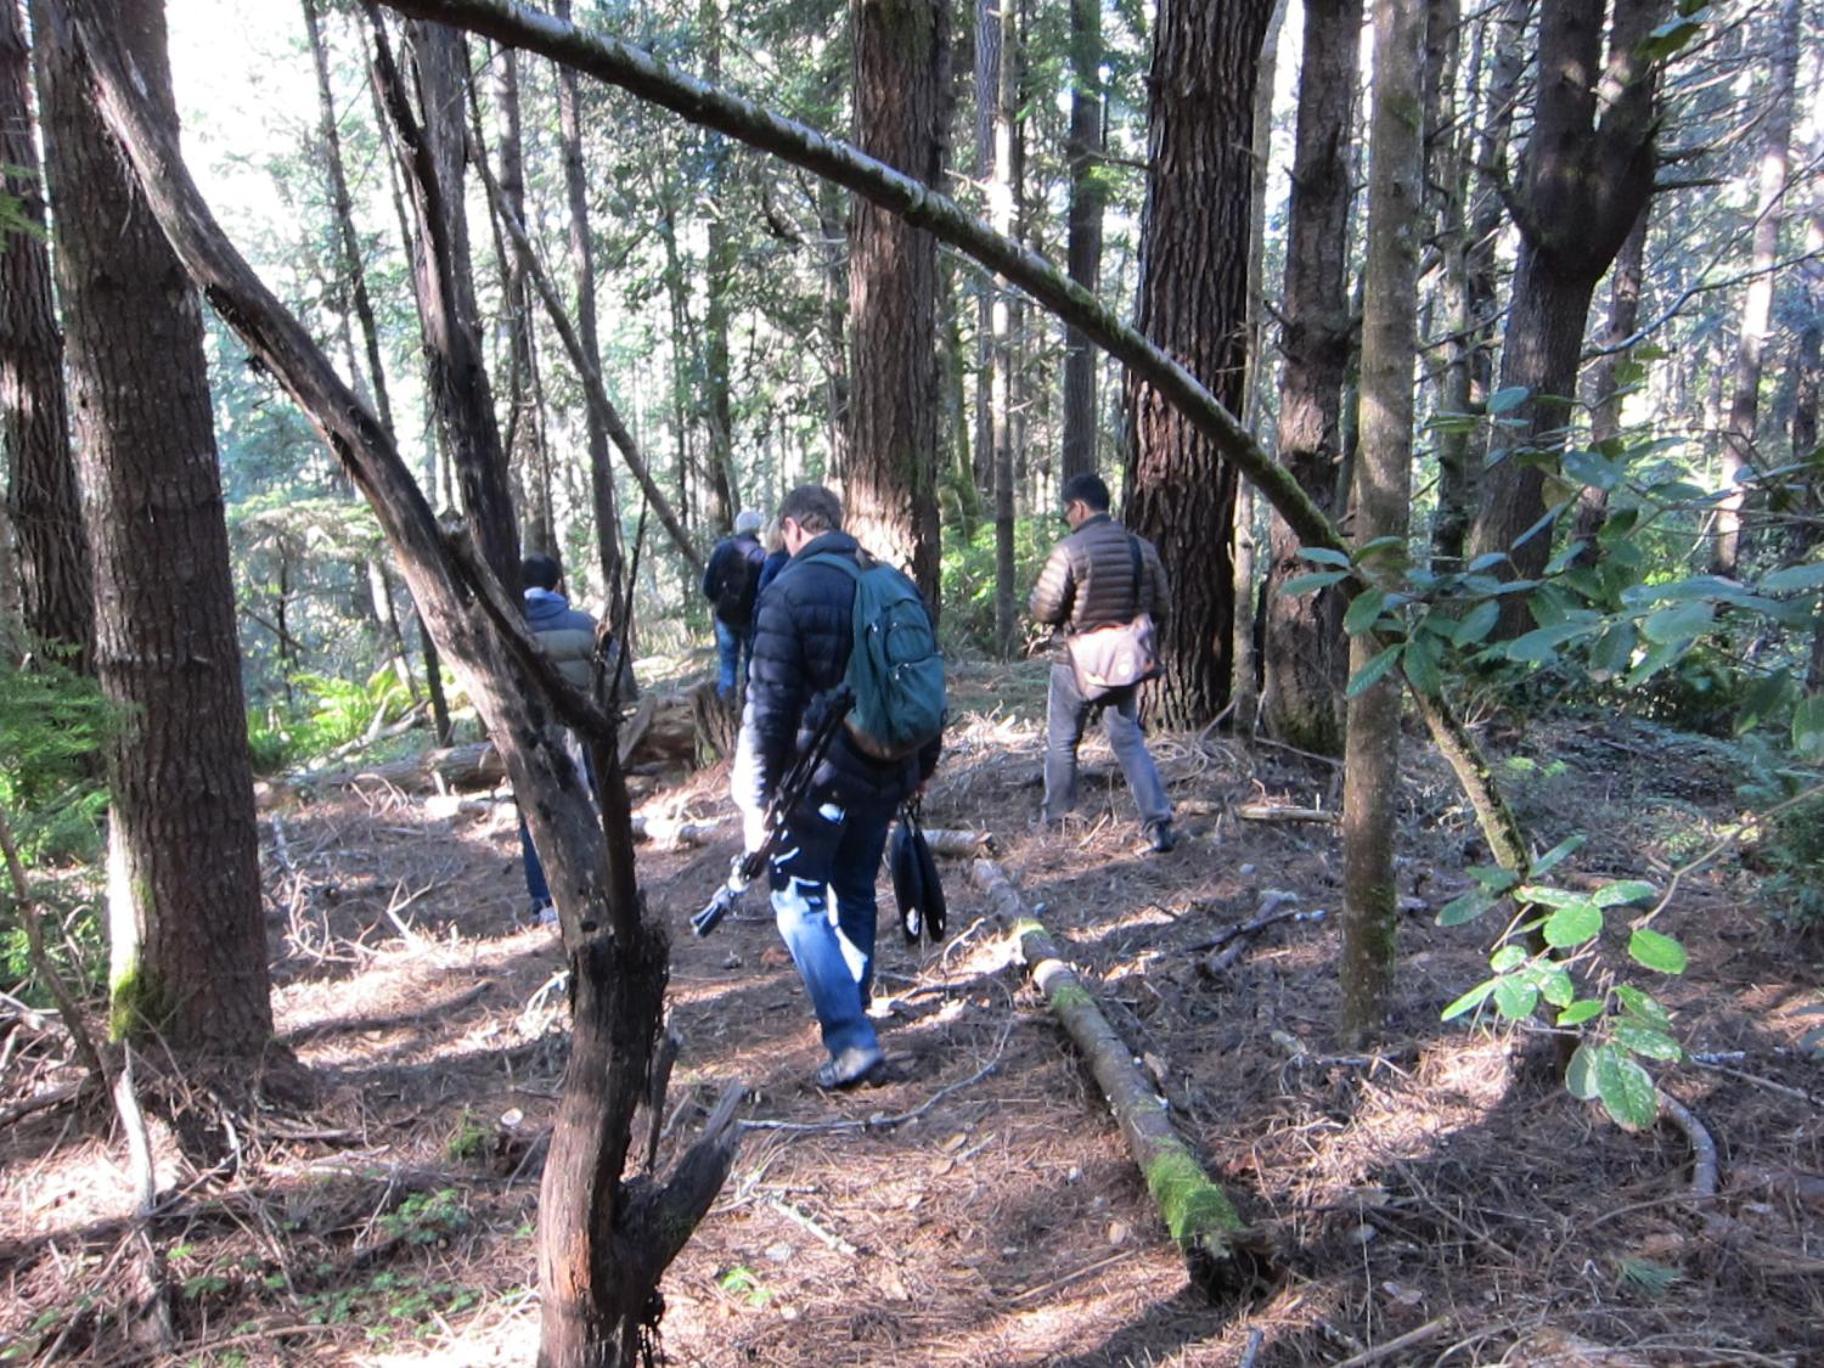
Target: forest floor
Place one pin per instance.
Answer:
(1435, 1187)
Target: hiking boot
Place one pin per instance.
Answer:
(1162, 838)
(541, 914)
(850, 1067)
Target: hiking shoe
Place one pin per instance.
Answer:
(1162, 839)
(542, 914)
(850, 1067)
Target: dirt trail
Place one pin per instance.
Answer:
(1003, 1225)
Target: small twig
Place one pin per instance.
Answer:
(791, 1213)
(1784, 1089)
(1256, 1338)
(1303, 754)
(1429, 1330)
(670, 1042)
(37, 1102)
(1033, 1294)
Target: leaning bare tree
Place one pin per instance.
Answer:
(605, 1237)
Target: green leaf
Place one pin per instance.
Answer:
(1370, 674)
(1626, 1091)
(1477, 623)
(1544, 895)
(1646, 1041)
(1363, 611)
(1656, 952)
(1555, 987)
(1654, 661)
(1466, 908)
(1591, 468)
(1515, 999)
(1493, 878)
(1668, 39)
(1558, 854)
(1575, 924)
(1580, 1073)
(1681, 623)
(1810, 576)
(1317, 579)
(1643, 1005)
(1619, 894)
(1808, 727)
(1469, 1001)
(1542, 643)
(1507, 957)
(1506, 400)
(1612, 652)
(1488, 560)
(1324, 555)
(1580, 1011)
(1379, 546)
(1422, 661)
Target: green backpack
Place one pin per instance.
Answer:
(896, 672)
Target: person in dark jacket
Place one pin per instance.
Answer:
(731, 582)
(567, 636)
(1088, 581)
(836, 837)
(776, 559)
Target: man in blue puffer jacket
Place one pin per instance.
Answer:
(804, 634)
(567, 636)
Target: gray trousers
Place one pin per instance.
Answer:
(1065, 716)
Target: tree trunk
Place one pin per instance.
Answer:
(1472, 260)
(43, 502)
(1244, 674)
(718, 280)
(1192, 302)
(832, 245)
(187, 940)
(994, 354)
(443, 277)
(527, 454)
(890, 476)
(605, 1237)
(1739, 461)
(1383, 494)
(1606, 396)
(1306, 657)
(582, 264)
(1587, 171)
(1083, 232)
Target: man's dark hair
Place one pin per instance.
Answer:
(813, 508)
(539, 571)
(1089, 487)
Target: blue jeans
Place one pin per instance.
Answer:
(829, 852)
(1065, 716)
(733, 651)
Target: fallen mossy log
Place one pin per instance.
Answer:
(1223, 1256)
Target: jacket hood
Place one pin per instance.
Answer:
(545, 605)
(838, 542)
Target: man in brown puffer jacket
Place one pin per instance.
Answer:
(1089, 582)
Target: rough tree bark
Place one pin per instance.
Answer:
(526, 452)
(1083, 232)
(605, 1238)
(718, 280)
(186, 931)
(444, 281)
(43, 502)
(1305, 655)
(637, 72)
(1192, 302)
(1471, 260)
(1383, 494)
(1587, 170)
(582, 264)
(1739, 461)
(889, 479)
(1625, 281)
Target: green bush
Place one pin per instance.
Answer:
(968, 575)
(328, 713)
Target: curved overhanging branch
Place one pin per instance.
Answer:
(641, 74)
